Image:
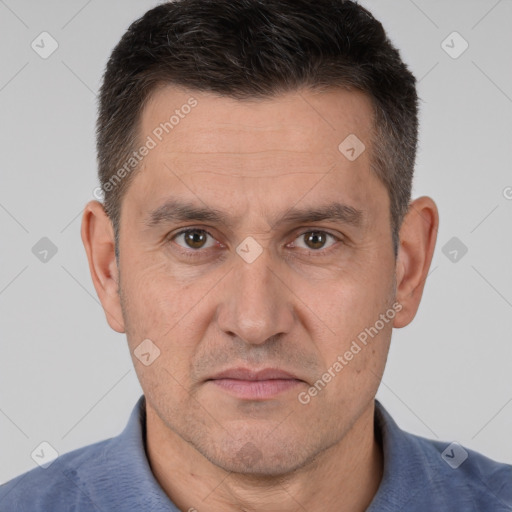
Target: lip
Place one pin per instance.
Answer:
(248, 384)
(247, 374)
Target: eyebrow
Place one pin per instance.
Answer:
(176, 210)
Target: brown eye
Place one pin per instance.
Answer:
(194, 239)
(314, 240)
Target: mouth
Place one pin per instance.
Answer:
(255, 385)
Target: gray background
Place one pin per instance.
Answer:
(67, 379)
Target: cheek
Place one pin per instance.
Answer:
(170, 313)
(158, 325)
(350, 301)
(155, 300)
(351, 335)
(353, 359)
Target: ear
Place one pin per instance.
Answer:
(418, 236)
(99, 242)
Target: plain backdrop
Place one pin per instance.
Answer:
(66, 378)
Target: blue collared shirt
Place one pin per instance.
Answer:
(420, 475)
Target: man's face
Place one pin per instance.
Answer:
(257, 288)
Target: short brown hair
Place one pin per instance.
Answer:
(255, 49)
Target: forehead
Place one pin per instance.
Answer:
(303, 121)
(268, 151)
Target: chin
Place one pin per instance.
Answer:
(261, 458)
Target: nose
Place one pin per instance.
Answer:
(255, 304)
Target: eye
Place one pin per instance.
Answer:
(315, 240)
(194, 239)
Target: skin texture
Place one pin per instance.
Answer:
(298, 306)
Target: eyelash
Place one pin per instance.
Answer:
(191, 253)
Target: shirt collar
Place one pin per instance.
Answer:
(123, 479)
(405, 464)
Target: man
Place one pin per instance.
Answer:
(257, 244)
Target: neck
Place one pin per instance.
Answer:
(344, 477)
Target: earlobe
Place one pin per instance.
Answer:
(418, 236)
(98, 239)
